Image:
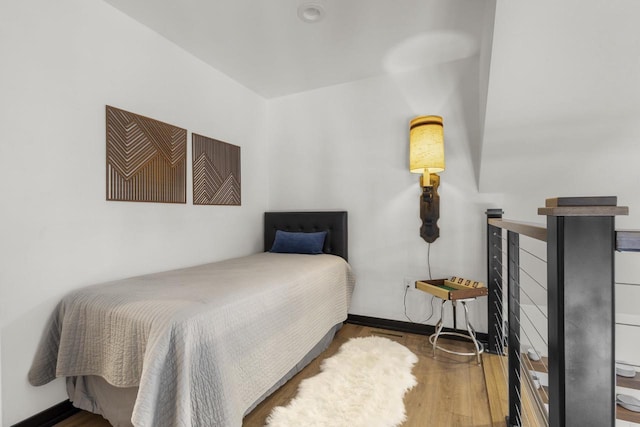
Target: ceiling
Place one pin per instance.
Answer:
(265, 46)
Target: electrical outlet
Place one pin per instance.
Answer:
(408, 282)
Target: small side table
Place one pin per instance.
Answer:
(449, 293)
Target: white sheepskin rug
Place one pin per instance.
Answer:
(363, 385)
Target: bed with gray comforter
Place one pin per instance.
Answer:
(200, 344)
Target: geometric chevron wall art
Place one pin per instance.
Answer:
(146, 159)
(216, 172)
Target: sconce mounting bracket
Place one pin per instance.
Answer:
(430, 209)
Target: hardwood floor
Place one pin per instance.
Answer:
(451, 389)
(84, 419)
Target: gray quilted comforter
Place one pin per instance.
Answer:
(201, 343)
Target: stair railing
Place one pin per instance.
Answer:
(580, 241)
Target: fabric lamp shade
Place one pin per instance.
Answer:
(426, 145)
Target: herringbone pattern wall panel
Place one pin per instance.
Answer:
(216, 172)
(146, 159)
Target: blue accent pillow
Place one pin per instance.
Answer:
(298, 243)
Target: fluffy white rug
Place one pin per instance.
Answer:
(363, 385)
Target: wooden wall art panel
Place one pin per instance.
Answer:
(146, 159)
(216, 172)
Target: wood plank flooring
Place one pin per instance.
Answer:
(495, 370)
(451, 389)
(496, 383)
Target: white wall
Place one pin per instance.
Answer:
(346, 147)
(563, 103)
(562, 117)
(61, 63)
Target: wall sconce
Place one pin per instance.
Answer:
(426, 156)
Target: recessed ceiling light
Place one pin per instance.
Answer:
(311, 12)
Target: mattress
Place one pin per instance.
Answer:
(115, 404)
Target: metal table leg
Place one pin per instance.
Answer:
(471, 333)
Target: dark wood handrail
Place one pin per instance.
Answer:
(628, 240)
(535, 231)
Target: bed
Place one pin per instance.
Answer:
(200, 346)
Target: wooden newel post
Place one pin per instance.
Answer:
(581, 243)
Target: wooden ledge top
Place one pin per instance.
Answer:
(558, 202)
(585, 211)
(536, 231)
(583, 206)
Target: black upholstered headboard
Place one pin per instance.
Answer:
(335, 222)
